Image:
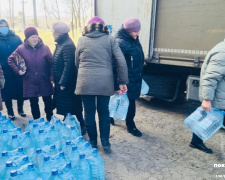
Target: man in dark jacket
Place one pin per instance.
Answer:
(13, 83)
(127, 38)
(65, 74)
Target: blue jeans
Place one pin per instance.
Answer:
(91, 104)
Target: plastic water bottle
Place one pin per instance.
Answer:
(21, 161)
(14, 175)
(41, 139)
(15, 131)
(59, 160)
(113, 104)
(46, 167)
(58, 125)
(35, 131)
(38, 158)
(52, 135)
(67, 148)
(144, 87)
(97, 165)
(40, 120)
(121, 112)
(44, 125)
(205, 123)
(68, 172)
(82, 168)
(86, 148)
(14, 142)
(27, 142)
(17, 153)
(5, 156)
(79, 141)
(30, 172)
(5, 174)
(4, 140)
(65, 132)
(29, 126)
(74, 132)
(72, 121)
(74, 155)
(9, 124)
(50, 150)
(53, 120)
(55, 175)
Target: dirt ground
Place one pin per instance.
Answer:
(163, 151)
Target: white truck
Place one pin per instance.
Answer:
(175, 35)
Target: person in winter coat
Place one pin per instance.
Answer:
(38, 77)
(13, 83)
(65, 74)
(128, 40)
(95, 82)
(2, 82)
(212, 87)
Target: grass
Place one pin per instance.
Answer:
(47, 37)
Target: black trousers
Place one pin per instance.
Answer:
(131, 114)
(99, 103)
(196, 140)
(9, 106)
(35, 110)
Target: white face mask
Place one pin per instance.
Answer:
(4, 30)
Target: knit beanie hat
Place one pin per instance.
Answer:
(132, 25)
(30, 31)
(59, 28)
(96, 19)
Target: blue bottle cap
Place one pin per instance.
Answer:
(14, 136)
(30, 165)
(5, 153)
(54, 172)
(68, 114)
(41, 119)
(38, 151)
(19, 129)
(41, 131)
(25, 158)
(13, 173)
(82, 156)
(80, 138)
(20, 149)
(68, 164)
(58, 121)
(61, 154)
(74, 148)
(35, 125)
(46, 158)
(31, 121)
(3, 117)
(27, 133)
(72, 128)
(94, 151)
(52, 127)
(8, 163)
(46, 123)
(52, 146)
(68, 142)
(87, 144)
(5, 131)
(9, 120)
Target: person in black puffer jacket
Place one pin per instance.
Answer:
(65, 74)
(128, 40)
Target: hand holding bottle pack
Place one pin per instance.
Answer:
(118, 106)
(205, 123)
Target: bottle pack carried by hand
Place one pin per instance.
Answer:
(205, 123)
(144, 87)
(118, 106)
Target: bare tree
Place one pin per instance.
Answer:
(85, 6)
(35, 13)
(45, 10)
(10, 12)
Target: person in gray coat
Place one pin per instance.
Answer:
(212, 87)
(95, 55)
